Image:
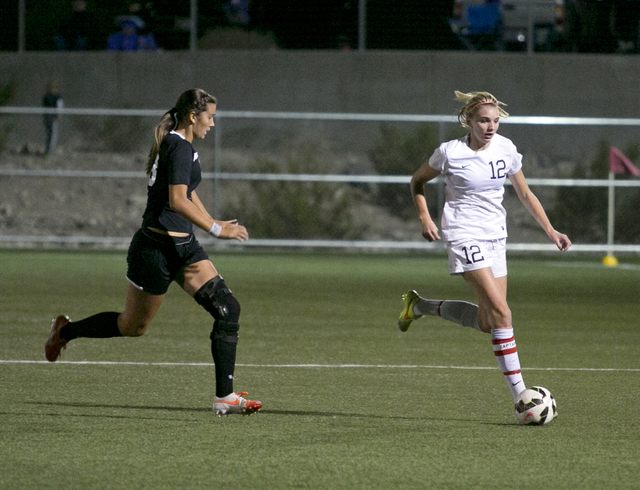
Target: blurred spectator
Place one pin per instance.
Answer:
(484, 26)
(77, 31)
(51, 100)
(147, 14)
(343, 43)
(626, 21)
(237, 12)
(131, 36)
(588, 26)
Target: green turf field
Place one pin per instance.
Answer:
(348, 400)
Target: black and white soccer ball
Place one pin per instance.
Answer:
(535, 406)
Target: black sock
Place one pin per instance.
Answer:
(100, 326)
(224, 357)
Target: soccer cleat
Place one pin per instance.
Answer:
(407, 315)
(55, 343)
(235, 403)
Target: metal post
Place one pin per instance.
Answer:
(21, 26)
(193, 27)
(217, 145)
(611, 214)
(362, 25)
(530, 33)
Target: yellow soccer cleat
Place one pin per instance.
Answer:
(407, 315)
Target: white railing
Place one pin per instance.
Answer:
(218, 176)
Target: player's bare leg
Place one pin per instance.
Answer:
(494, 316)
(140, 309)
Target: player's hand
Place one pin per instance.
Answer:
(232, 230)
(430, 231)
(561, 240)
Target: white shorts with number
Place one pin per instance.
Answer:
(471, 255)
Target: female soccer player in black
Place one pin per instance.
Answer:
(165, 249)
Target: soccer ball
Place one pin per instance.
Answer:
(535, 406)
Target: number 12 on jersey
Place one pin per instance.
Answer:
(497, 169)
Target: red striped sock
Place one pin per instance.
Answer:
(506, 352)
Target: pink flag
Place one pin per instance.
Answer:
(620, 164)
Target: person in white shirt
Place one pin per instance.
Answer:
(475, 168)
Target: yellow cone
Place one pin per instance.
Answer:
(610, 261)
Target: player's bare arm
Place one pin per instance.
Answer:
(195, 199)
(532, 204)
(194, 211)
(180, 203)
(419, 179)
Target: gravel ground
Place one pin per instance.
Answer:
(112, 207)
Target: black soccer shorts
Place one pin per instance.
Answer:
(154, 260)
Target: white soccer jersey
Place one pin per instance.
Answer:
(475, 187)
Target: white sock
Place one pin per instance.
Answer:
(460, 312)
(506, 352)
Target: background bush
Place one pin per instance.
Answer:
(302, 210)
(115, 134)
(7, 92)
(581, 212)
(401, 153)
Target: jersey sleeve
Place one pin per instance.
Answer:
(516, 161)
(438, 159)
(179, 165)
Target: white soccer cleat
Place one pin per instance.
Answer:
(234, 403)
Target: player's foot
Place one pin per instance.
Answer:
(407, 315)
(235, 403)
(55, 343)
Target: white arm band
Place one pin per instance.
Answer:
(215, 229)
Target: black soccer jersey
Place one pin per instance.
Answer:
(177, 163)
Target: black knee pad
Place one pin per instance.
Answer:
(218, 300)
(225, 331)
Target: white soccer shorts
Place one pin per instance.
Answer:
(471, 255)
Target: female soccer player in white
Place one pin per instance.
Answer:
(474, 226)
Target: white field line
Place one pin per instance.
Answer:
(314, 366)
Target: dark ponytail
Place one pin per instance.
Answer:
(194, 100)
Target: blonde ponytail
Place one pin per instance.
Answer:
(473, 101)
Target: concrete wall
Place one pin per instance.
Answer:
(396, 82)
(379, 82)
